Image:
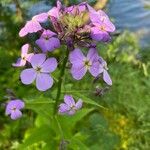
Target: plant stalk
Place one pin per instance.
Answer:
(62, 72)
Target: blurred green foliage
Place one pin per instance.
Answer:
(118, 119)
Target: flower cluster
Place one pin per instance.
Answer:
(67, 23)
(64, 26)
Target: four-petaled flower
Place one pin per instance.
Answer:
(80, 63)
(102, 25)
(13, 108)
(69, 106)
(47, 41)
(40, 72)
(24, 56)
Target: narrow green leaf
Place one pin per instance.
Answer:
(88, 100)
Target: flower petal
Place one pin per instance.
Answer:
(63, 108)
(49, 65)
(20, 62)
(42, 17)
(29, 56)
(23, 32)
(43, 44)
(48, 45)
(32, 26)
(68, 99)
(98, 35)
(92, 55)
(79, 104)
(37, 60)
(76, 56)
(16, 114)
(24, 49)
(19, 104)
(95, 68)
(54, 12)
(107, 78)
(44, 81)
(54, 43)
(71, 112)
(28, 76)
(109, 26)
(48, 34)
(78, 72)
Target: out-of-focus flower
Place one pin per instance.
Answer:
(24, 56)
(47, 41)
(69, 106)
(42, 67)
(80, 63)
(13, 108)
(33, 25)
(103, 70)
(102, 25)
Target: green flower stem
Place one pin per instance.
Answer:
(62, 72)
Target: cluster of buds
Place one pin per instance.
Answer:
(78, 27)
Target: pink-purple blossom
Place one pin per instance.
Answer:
(102, 25)
(33, 25)
(40, 72)
(82, 64)
(69, 106)
(13, 108)
(48, 41)
(25, 56)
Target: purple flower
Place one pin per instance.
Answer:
(24, 56)
(42, 67)
(80, 63)
(103, 70)
(13, 109)
(102, 25)
(33, 25)
(47, 42)
(69, 106)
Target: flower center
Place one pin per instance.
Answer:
(38, 70)
(87, 63)
(14, 108)
(102, 28)
(46, 38)
(24, 58)
(73, 108)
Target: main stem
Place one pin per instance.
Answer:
(62, 72)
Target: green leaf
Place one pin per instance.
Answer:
(76, 142)
(88, 100)
(42, 134)
(68, 122)
(40, 105)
